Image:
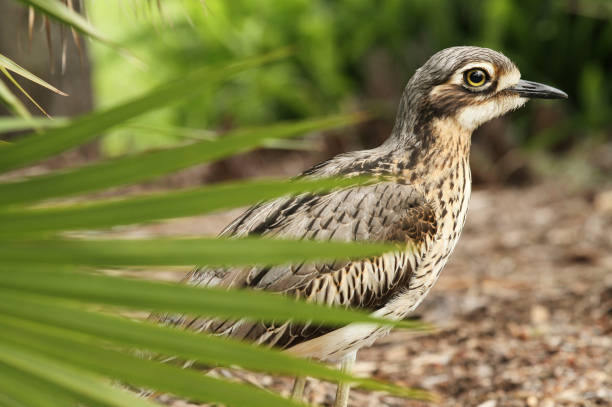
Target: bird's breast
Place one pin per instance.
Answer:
(451, 196)
(451, 210)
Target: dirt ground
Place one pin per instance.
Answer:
(524, 308)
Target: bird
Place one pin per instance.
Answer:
(419, 201)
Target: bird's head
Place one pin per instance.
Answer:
(470, 85)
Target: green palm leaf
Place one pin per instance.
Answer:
(171, 252)
(158, 206)
(16, 390)
(9, 124)
(59, 11)
(57, 334)
(8, 75)
(11, 65)
(122, 171)
(12, 103)
(91, 388)
(28, 343)
(35, 148)
(179, 298)
(205, 349)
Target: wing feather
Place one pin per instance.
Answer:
(386, 211)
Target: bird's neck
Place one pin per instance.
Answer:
(433, 152)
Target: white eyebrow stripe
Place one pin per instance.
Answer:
(505, 80)
(482, 65)
(457, 77)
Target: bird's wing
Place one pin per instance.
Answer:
(386, 211)
(383, 212)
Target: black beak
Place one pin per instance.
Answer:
(534, 90)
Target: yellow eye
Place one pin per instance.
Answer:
(475, 77)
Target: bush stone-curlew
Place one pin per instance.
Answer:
(420, 201)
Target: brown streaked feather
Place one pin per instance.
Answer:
(420, 202)
(387, 211)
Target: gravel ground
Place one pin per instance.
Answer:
(524, 308)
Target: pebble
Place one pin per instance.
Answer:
(539, 315)
(603, 201)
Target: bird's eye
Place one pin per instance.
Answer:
(475, 77)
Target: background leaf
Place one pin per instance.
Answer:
(11, 101)
(159, 206)
(157, 296)
(151, 165)
(29, 343)
(91, 388)
(10, 124)
(167, 252)
(22, 90)
(12, 66)
(59, 316)
(32, 149)
(205, 349)
(61, 12)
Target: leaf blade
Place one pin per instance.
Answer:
(10, 100)
(18, 384)
(148, 166)
(14, 67)
(66, 15)
(186, 252)
(152, 207)
(89, 386)
(33, 149)
(9, 124)
(181, 298)
(23, 91)
(205, 349)
(52, 347)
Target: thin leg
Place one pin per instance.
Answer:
(298, 388)
(344, 388)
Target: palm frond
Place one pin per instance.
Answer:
(61, 332)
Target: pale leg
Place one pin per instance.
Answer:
(298, 388)
(344, 388)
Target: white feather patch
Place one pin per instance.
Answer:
(509, 79)
(457, 77)
(470, 117)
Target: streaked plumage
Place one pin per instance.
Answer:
(420, 204)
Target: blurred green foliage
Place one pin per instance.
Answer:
(338, 48)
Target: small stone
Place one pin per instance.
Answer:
(365, 367)
(488, 403)
(539, 315)
(395, 353)
(484, 371)
(532, 401)
(603, 201)
(432, 381)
